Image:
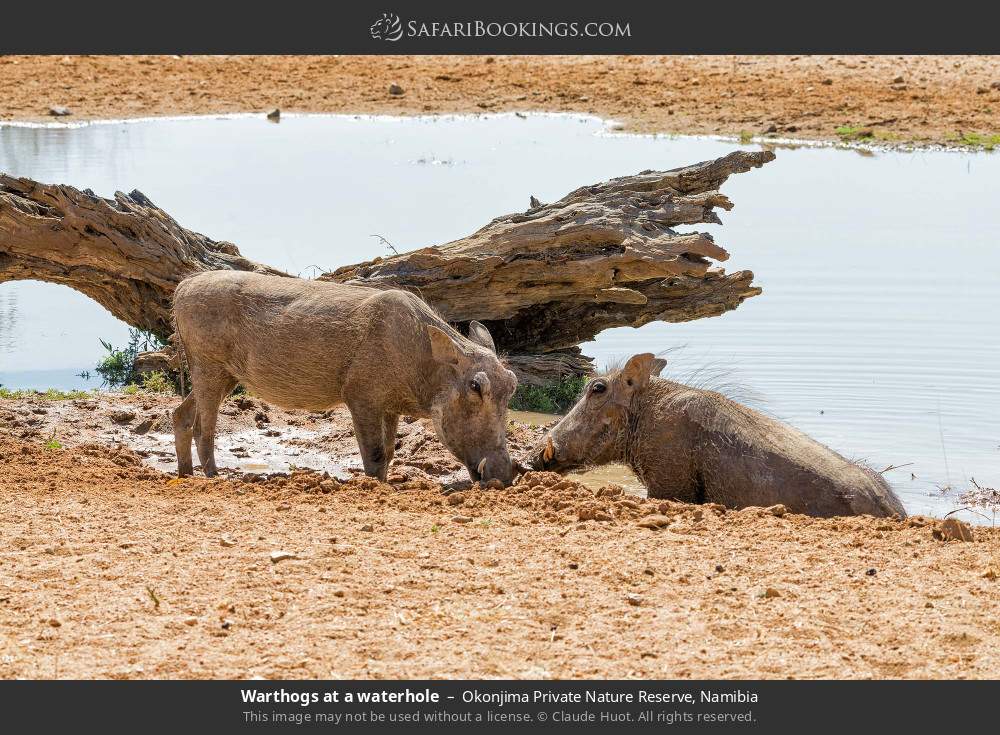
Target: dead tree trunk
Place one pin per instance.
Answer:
(543, 280)
(125, 253)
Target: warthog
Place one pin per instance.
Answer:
(698, 446)
(313, 345)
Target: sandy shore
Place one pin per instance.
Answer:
(912, 100)
(111, 568)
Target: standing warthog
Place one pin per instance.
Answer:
(313, 345)
(698, 446)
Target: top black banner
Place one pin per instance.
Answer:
(511, 27)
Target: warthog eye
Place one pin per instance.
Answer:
(474, 385)
(598, 388)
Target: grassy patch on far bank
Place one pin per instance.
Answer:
(977, 140)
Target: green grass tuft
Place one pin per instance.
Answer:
(849, 132)
(52, 394)
(52, 442)
(977, 140)
(158, 382)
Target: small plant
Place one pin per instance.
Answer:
(52, 442)
(117, 369)
(435, 528)
(746, 137)
(158, 382)
(387, 244)
(849, 132)
(553, 398)
(982, 497)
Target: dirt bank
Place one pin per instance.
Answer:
(255, 438)
(893, 99)
(110, 568)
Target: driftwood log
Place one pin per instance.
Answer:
(543, 280)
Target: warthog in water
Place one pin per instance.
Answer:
(313, 345)
(698, 446)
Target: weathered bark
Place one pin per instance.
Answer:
(543, 280)
(603, 256)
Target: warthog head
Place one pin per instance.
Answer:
(591, 433)
(470, 407)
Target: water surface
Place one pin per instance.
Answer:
(876, 332)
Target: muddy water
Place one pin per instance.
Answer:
(248, 451)
(595, 478)
(876, 331)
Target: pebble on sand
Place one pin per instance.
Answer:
(654, 522)
(59, 111)
(277, 556)
(395, 89)
(122, 416)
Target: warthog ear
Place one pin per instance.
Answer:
(443, 347)
(481, 336)
(636, 372)
(656, 367)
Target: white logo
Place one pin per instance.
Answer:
(387, 28)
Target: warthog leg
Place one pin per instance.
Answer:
(390, 422)
(209, 385)
(184, 417)
(375, 431)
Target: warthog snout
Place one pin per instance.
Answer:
(542, 456)
(494, 466)
(592, 433)
(470, 408)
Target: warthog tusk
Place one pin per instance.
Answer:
(481, 466)
(549, 452)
